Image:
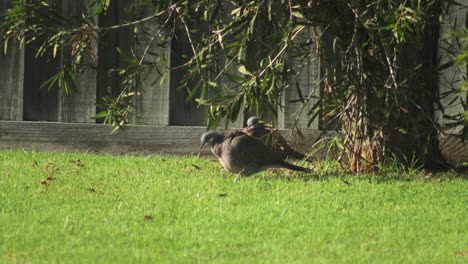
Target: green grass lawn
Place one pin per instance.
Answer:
(86, 208)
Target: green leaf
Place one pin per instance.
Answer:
(231, 44)
(193, 91)
(297, 14)
(388, 27)
(243, 70)
(236, 12)
(101, 114)
(54, 53)
(236, 78)
(212, 84)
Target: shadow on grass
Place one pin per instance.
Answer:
(326, 170)
(376, 178)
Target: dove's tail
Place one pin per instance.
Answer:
(295, 167)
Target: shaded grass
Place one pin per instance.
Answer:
(124, 209)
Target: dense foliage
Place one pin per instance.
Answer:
(378, 62)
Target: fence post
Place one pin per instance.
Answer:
(452, 77)
(11, 78)
(81, 106)
(307, 80)
(452, 98)
(152, 105)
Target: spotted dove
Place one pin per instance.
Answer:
(270, 137)
(243, 154)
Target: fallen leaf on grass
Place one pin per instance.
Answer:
(46, 186)
(461, 253)
(51, 168)
(77, 162)
(46, 181)
(148, 217)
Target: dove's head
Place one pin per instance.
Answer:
(253, 120)
(210, 137)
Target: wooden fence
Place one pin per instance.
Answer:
(164, 122)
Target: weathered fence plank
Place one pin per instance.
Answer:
(107, 81)
(11, 78)
(182, 112)
(152, 106)
(136, 139)
(109, 59)
(97, 138)
(39, 104)
(81, 106)
(11, 82)
(307, 80)
(452, 77)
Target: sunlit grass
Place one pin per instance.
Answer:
(85, 208)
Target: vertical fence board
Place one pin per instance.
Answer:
(223, 64)
(450, 80)
(183, 112)
(81, 106)
(306, 79)
(109, 60)
(11, 78)
(452, 77)
(224, 83)
(152, 106)
(107, 83)
(11, 82)
(39, 104)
